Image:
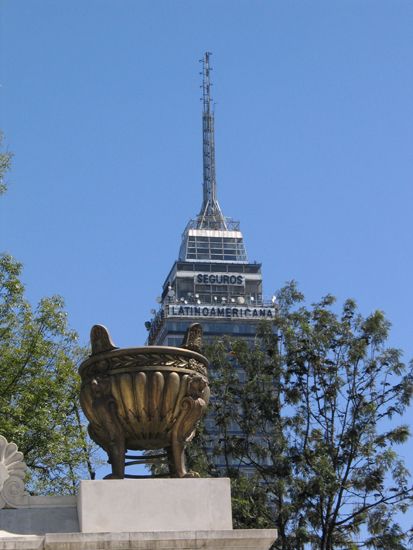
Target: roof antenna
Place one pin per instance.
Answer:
(210, 216)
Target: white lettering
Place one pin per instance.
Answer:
(228, 312)
(219, 279)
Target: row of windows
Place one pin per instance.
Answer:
(223, 289)
(216, 328)
(225, 257)
(216, 248)
(208, 267)
(216, 240)
(175, 342)
(225, 250)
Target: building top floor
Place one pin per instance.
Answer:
(189, 269)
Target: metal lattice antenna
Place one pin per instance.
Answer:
(210, 216)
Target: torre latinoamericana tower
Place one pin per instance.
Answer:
(212, 282)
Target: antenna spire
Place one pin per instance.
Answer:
(210, 216)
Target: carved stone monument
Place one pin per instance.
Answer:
(12, 472)
(148, 398)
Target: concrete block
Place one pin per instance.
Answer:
(40, 519)
(8, 541)
(53, 501)
(239, 539)
(131, 505)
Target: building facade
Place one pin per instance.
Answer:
(212, 282)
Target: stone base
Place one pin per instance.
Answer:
(132, 505)
(39, 521)
(239, 539)
(144, 514)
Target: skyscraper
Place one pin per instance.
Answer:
(212, 282)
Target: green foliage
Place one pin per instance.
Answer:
(5, 161)
(317, 402)
(39, 386)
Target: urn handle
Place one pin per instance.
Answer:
(101, 340)
(193, 338)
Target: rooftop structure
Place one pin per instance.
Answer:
(212, 282)
(210, 216)
(211, 236)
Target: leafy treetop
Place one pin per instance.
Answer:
(311, 414)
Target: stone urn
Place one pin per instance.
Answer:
(144, 398)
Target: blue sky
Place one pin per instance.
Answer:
(314, 127)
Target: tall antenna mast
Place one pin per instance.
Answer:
(210, 216)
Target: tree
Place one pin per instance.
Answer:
(5, 161)
(39, 384)
(39, 408)
(317, 402)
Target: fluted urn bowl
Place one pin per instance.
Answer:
(143, 398)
